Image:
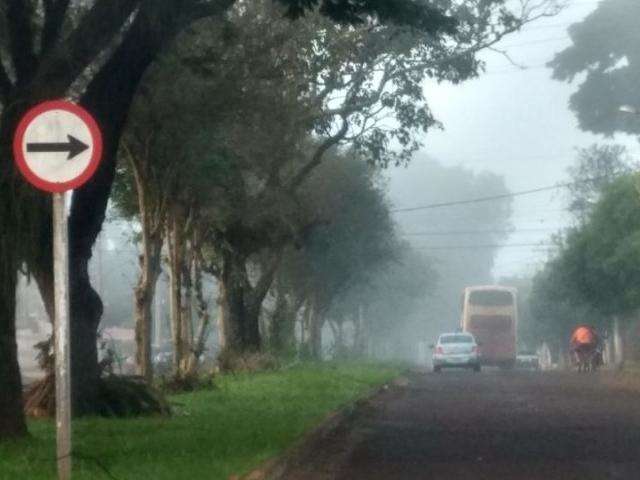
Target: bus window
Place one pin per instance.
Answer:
(490, 298)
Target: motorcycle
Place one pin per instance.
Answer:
(588, 358)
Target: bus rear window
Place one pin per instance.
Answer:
(491, 298)
(490, 322)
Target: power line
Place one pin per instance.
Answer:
(481, 246)
(472, 232)
(479, 199)
(496, 197)
(514, 70)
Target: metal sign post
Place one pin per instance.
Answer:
(58, 147)
(61, 334)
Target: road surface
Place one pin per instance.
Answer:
(494, 425)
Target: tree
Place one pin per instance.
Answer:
(342, 85)
(353, 237)
(558, 300)
(88, 55)
(394, 304)
(601, 259)
(594, 276)
(605, 49)
(168, 184)
(99, 58)
(556, 307)
(596, 168)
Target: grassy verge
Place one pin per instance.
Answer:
(212, 434)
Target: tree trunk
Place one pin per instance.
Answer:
(242, 326)
(361, 339)
(187, 309)
(315, 338)
(305, 331)
(202, 308)
(151, 222)
(242, 302)
(312, 331)
(223, 317)
(144, 293)
(12, 422)
(282, 326)
(86, 311)
(176, 242)
(108, 97)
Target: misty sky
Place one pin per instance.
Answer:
(515, 123)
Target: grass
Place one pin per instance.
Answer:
(212, 434)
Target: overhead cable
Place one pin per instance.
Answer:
(494, 197)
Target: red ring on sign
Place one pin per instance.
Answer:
(96, 154)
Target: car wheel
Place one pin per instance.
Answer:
(437, 369)
(477, 368)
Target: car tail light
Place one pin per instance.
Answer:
(474, 349)
(439, 350)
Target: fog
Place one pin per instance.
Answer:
(513, 121)
(324, 239)
(506, 132)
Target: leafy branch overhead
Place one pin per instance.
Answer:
(604, 51)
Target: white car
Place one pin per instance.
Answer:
(528, 361)
(458, 350)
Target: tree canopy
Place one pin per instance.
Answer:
(97, 54)
(605, 55)
(594, 274)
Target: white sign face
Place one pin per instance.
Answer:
(57, 146)
(72, 138)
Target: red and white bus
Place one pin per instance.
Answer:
(490, 313)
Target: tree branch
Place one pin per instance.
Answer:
(19, 15)
(69, 58)
(319, 153)
(350, 106)
(5, 85)
(54, 15)
(204, 9)
(266, 279)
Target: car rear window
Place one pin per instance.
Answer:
(456, 339)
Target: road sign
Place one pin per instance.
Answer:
(57, 146)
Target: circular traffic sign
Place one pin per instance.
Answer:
(57, 146)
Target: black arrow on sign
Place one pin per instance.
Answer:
(73, 146)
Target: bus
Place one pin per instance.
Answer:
(490, 313)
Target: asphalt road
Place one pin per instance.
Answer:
(494, 425)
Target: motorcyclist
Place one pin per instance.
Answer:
(586, 343)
